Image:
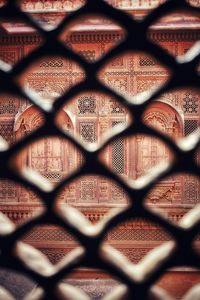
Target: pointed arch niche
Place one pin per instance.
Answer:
(52, 157)
(146, 152)
(166, 118)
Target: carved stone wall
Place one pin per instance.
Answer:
(90, 116)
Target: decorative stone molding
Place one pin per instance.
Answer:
(95, 214)
(162, 35)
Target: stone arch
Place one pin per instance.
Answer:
(50, 156)
(147, 151)
(168, 118)
(31, 118)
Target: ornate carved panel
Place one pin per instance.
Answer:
(11, 55)
(118, 82)
(51, 157)
(7, 191)
(190, 104)
(46, 157)
(167, 192)
(123, 234)
(8, 106)
(88, 131)
(116, 108)
(89, 190)
(6, 130)
(50, 5)
(191, 189)
(145, 83)
(92, 117)
(117, 194)
(190, 126)
(150, 151)
(118, 154)
(87, 105)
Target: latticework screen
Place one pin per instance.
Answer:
(137, 281)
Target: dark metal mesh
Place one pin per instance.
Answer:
(137, 280)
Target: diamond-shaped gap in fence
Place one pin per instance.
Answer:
(181, 20)
(47, 161)
(49, 77)
(94, 114)
(52, 240)
(126, 74)
(99, 29)
(174, 196)
(10, 28)
(19, 203)
(49, 14)
(134, 236)
(137, 157)
(138, 9)
(90, 193)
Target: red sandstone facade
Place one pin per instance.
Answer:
(90, 116)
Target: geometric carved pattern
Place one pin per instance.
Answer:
(118, 157)
(118, 164)
(8, 57)
(50, 88)
(190, 104)
(162, 192)
(66, 5)
(52, 176)
(8, 107)
(118, 83)
(117, 62)
(134, 254)
(190, 126)
(117, 193)
(88, 131)
(88, 188)
(88, 248)
(87, 104)
(52, 63)
(48, 234)
(47, 156)
(89, 55)
(146, 61)
(55, 255)
(116, 108)
(6, 131)
(191, 191)
(139, 235)
(146, 84)
(7, 191)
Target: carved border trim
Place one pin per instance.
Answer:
(90, 37)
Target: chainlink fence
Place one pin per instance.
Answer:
(136, 280)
